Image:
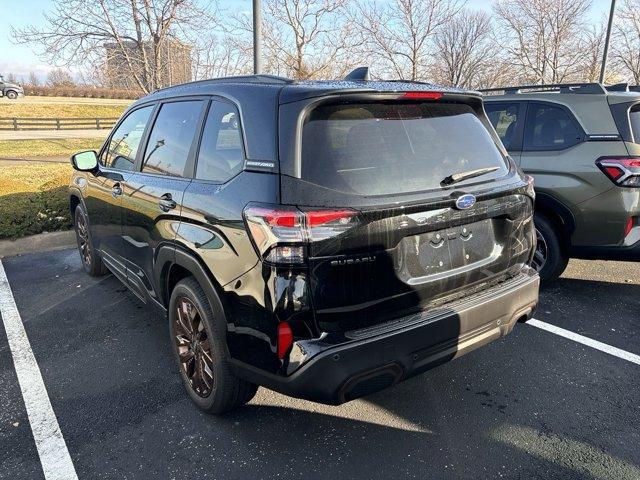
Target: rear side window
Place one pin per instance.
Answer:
(504, 117)
(390, 148)
(221, 155)
(123, 145)
(634, 118)
(550, 127)
(171, 138)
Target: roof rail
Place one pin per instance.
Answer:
(237, 79)
(555, 87)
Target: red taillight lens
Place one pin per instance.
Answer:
(279, 233)
(623, 171)
(423, 95)
(285, 339)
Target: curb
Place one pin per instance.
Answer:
(42, 242)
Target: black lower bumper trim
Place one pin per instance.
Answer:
(358, 367)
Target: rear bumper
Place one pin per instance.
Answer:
(332, 371)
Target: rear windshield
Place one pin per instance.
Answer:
(634, 118)
(390, 148)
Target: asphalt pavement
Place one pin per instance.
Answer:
(534, 405)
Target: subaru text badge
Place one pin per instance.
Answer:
(465, 202)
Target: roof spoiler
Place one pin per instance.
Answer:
(360, 74)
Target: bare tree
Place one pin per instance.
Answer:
(306, 38)
(11, 78)
(466, 53)
(221, 56)
(542, 38)
(33, 80)
(399, 34)
(60, 78)
(138, 32)
(626, 43)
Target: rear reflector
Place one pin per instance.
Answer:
(423, 95)
(623, 171)
(285, 339)
(629, 226)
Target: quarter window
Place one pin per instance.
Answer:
(550, 127)
(221, 156)
(125, 141)
(504, 118)
(171, 138)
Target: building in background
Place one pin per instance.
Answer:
(174, 64)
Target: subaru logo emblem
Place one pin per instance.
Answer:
(465, 201)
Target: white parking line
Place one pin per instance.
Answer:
(52, 449)
(603, 347)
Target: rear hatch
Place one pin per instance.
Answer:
(421, 204)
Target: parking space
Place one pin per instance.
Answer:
(534, 405)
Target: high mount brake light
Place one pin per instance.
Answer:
(281, 233)
(423, 95)
(623, 171)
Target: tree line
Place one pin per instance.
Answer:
(441, 41)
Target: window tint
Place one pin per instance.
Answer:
(634, 118)
(550, 127)
(124, 143)
(221, 155)
(504, 118)
(171, 138)
(384, 148)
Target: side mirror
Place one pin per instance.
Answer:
(85, 161)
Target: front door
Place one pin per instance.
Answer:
(152, 197)
(103, 197)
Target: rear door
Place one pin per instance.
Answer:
(152, 197)
(419, 238)
(508, 120)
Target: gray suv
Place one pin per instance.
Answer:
(581, 143)
(10, 90)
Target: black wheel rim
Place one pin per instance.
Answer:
(83, 240)
(541, 254)
(194, 347)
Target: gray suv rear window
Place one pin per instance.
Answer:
(390, 148)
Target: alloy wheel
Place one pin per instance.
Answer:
(194, 347)
(83, 240)
(541, 254)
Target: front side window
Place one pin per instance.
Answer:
(550, 127)
(504, 118)
(125, 141)
(221, 155)
(381, 148)
(171, 138)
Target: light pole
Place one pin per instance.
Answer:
(257, 37)
(603, 69)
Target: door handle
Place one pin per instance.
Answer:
(167, 203)
(116, 191)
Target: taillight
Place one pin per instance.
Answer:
(423, 95)
(623, 171)
(281, 233)
(629, 226)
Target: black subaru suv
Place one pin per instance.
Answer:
(322, 239)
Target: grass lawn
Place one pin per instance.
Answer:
(62, 147)
(60, 110)
(33, 199)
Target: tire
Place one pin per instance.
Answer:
(198, 337)
(91, 261)
(11, 95)
(550, 260)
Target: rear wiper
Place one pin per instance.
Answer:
(458, 177)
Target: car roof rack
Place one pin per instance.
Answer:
(592, 88)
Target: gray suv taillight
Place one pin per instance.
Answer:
(623, 171)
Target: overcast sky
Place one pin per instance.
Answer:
(21, 60)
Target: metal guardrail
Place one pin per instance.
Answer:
(14, 123)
